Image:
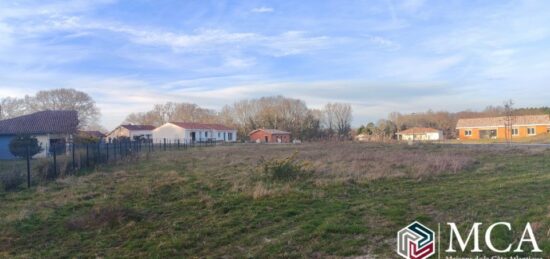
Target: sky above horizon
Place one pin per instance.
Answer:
(380, 56)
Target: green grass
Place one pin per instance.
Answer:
(205, 203)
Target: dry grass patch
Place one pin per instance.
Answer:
(103, 216)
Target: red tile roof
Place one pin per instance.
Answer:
(193, 125)
(138, 127)
(418, 130)
(44, 122)
(501, 121)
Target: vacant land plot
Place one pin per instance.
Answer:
(310, 200)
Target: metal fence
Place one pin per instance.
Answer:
(59, 160)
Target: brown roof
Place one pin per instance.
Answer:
(138, 127)
(270, 131)
(501, 121)
(194, 125)
(418, 130)
(43, 122)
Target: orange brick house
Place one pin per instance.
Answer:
(269, 136)
(495, 127)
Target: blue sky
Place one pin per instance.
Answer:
(380, 56)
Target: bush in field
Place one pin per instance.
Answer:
(284, 169)
(20, 144)
(10, 180)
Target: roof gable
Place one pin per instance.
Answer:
(43, 122)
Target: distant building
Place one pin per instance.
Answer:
(189, 132)
(269, 136)
(132, 132)
(363, 137)
(495, 127)
(48, 127)
(91, 135)
(420, 134)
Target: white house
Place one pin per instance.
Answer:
(188, 132)
(131, 131)
(420, 134)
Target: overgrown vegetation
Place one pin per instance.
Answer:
(284, 169)
(216, 202)
(11, 179)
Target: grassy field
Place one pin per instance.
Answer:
(344, 199)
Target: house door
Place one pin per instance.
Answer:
(193, 136)
(266, 139)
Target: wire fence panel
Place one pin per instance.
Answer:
(64, 159)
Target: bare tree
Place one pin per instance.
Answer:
(508, 120)
(276, 112)
(66, 99)
(181, 112)
(12, 107)
(338, 117)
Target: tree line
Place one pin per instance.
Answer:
(276, 112)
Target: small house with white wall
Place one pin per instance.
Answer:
(132, 132)
(50, 128)
(420, 134)
(190, 132)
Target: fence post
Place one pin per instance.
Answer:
(114, 151)
(87, 155)
(164, 146)
(28, 168)
(54, 160)
(96, 155)
(107, 153)
(73, 153)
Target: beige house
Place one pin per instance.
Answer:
(191, 132)
(131, 131)
(420, 134)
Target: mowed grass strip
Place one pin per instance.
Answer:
(216, 202)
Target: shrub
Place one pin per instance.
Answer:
(284, 169)
(20, 144)
(10, 180)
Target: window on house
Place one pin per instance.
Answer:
(467, 133)
(515, 132)
(230, 136)
(531, 131)
(206, 134)
(219, 134)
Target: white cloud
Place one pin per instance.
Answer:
(262, 9)
(384, 43)
(416, 68)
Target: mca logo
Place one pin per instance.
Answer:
(416, 241)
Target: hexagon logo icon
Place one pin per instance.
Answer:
(415, 241)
